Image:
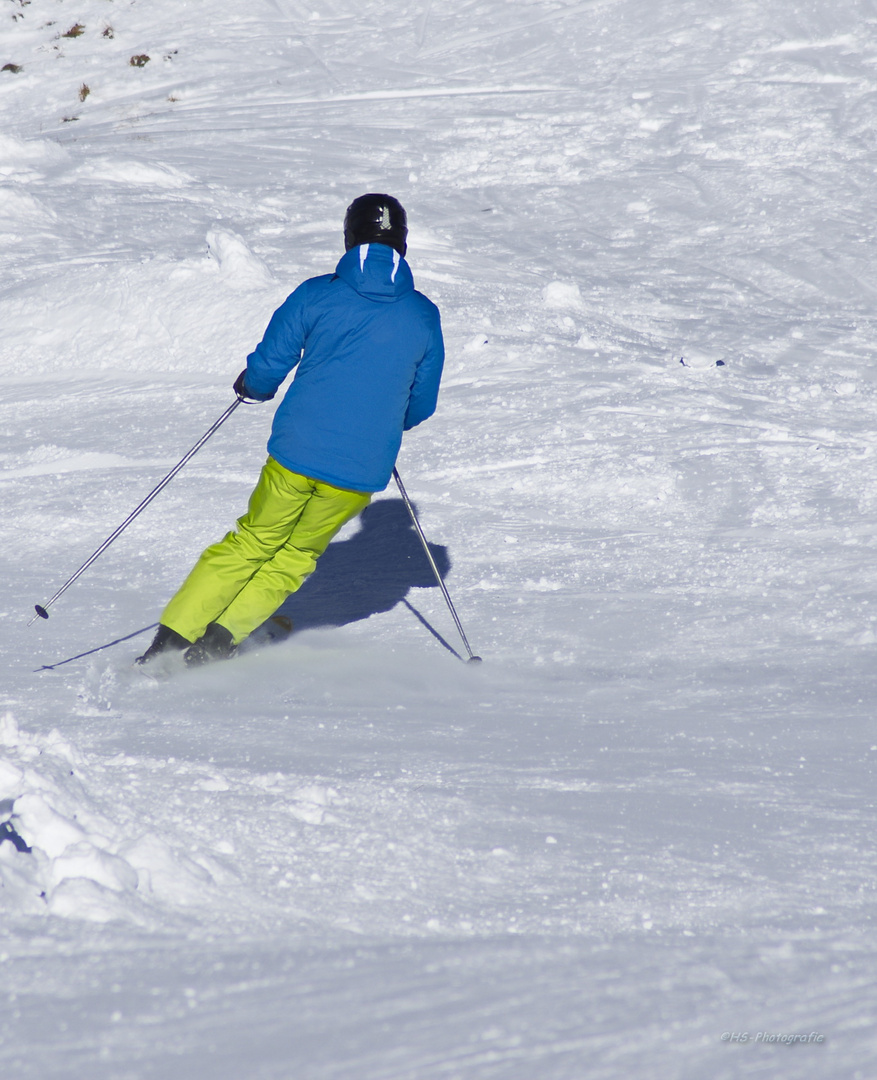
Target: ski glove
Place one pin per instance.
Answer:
(240, 388)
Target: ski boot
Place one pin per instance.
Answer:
(165, 640)
(215, 644)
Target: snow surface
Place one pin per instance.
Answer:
(648, 818)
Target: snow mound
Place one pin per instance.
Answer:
(19, 210)
(239, 267)
(134, 172)
(159, 315)
(17, 152)
(562, 296)
(85, 861)
(700, 359)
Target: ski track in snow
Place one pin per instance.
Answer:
(648, 817)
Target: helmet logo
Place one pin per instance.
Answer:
(385, 217)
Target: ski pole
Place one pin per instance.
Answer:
(41, 609)
(97, 648)
(473, 659)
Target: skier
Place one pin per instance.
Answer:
(368, 351)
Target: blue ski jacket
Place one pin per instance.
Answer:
(369, 353)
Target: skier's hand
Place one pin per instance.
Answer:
(240, 386)
(245, 395)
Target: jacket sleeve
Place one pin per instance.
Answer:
(280, 349)
(424, 390)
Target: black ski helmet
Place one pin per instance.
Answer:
(376, 219)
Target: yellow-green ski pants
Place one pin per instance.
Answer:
(243, 580)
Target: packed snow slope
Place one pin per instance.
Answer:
(644, 827)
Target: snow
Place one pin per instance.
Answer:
(647, 819)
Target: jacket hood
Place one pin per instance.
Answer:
(377, 272)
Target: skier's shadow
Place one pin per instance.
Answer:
(371, 572)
